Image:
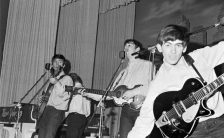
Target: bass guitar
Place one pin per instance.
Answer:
(135, 103)
(177, 112)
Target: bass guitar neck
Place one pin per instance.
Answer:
(135, 102)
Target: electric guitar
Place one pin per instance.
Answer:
(135, 103)
(177, 112)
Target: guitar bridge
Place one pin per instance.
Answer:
(163, 120)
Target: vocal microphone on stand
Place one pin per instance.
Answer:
(146, 51)
(48, 66)
(122, 55)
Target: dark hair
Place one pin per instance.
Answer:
(172, 33)
(66, 63)
(58, 56)
(75, 77)
(135, 42)
(67, 67)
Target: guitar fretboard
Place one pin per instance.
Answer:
(208, 89)
(100, 92)
(87, 90)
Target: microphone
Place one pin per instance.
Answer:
(150, 48)
(139, 52)
(122, 55)
(48, 66)
(145, 51)
(221, 22)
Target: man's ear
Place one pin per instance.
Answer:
(159, 47)
(138, 49)
(185, 49)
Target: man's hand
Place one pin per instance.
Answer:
(82, 92)
(41, 99)
(128, 95)
(53, 80)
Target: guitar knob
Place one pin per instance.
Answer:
(175, 122)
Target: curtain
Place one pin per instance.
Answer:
(66, 2)
(107, 5)
(29, 44)
(77, 36)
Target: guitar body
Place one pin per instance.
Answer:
(175, 124)
(43, 104)
(135, 103)
(44, 100)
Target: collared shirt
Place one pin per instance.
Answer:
(59, 97)
(172, 78)
(79, 104)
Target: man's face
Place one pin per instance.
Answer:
(57, 63)
(130, 48)
(172, 51)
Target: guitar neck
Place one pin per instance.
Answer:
(100, 92)
(210, 88)
(87, 90)
(206, 90)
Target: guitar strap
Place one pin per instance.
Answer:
(190, 61)
(51, 85)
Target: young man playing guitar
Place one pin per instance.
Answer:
(79, 110)
(175, 103)
(54, 112)
(136, 76)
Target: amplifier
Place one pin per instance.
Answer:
(27, 113)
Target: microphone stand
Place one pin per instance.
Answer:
(102, 101)
(19, 106)
(153, 62)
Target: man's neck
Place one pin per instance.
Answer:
(179, 63)
(58, 74)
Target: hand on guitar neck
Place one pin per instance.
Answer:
(131, 93)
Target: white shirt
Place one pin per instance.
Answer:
(79, 104)
(172, 78)
(59, 97)
(138, 72)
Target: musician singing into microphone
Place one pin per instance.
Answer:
(53, 113)
(178, 96)
(136, 76)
